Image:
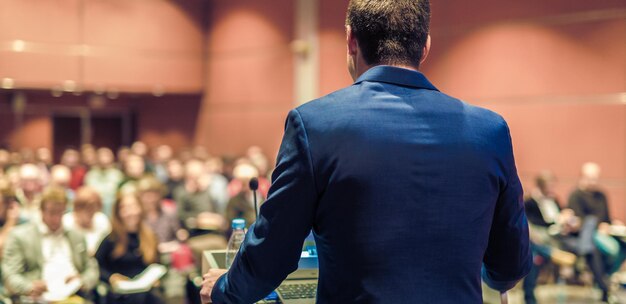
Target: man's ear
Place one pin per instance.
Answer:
(426, 50)
(351, 41)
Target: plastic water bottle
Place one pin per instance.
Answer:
(236, 238)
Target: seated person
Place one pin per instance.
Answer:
(9, 212)
(164, 224)
(241, 205)
(127, 251)
(87, 218)
(544, 217)
(28, 192)
(9, 216)
(196, 210)
(43, 257)
(590, 203)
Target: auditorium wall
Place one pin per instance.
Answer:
(249, 75)
(139, 55)
(556, 71)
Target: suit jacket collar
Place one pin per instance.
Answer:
(76, 246)
(396, 75)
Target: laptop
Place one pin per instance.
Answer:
(300, 287)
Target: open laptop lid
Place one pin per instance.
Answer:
(308, 267)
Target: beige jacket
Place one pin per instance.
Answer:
(22, 260)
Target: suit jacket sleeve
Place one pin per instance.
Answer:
(507, 258)
(533, 213)
(273, 244)
(14, 265)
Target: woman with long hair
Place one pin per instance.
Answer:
(128, 250)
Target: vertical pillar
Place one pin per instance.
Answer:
(306, 51)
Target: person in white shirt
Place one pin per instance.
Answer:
(44, 261)
(88, 219)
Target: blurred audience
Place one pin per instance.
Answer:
(122, 153)
(544, 216)
(197, 210)
(175, 177)
(9, 216)
(162, 154)
(241, 205)
(9, 212)
(264, 184)
(105, 178)
(116, 216)
(5, 161)
(164, 223)
(44, 259)
(87, 218)
(127, 251)
(589, 202)
(60, 176)
(134, 169)
(28, 192)
(71, 159)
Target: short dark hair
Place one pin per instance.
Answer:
(390, 31)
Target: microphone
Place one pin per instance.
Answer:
(254, 185)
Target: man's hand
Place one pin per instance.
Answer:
(209, 281)
(39, 287)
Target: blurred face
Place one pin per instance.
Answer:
(44, 155)
(52, 215)
(105, 157)
(163, 153)
(130, 213)
(30, 178)
(550, 187)
(175, 170)
(194, 170)
(16, 158)
(150, 200)
(83, 214)
(89, 156)
(5, 157)
(590, 176)
(61, 176)
(122, 154)
(70, 158)
(139, 148)
(134, 166)
(214, 165)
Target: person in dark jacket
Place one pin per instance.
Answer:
(127, 251)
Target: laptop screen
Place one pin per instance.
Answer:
(308, 257)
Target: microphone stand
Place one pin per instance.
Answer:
(254, 185)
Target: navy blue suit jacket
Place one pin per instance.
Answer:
(409, 192)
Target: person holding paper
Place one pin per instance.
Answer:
(43, 260)
(127, 251)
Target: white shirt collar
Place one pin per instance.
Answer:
(44, 230)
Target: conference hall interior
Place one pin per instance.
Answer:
(170, 107)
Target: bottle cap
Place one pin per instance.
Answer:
(238, 223)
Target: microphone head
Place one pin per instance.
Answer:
(254, 184)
